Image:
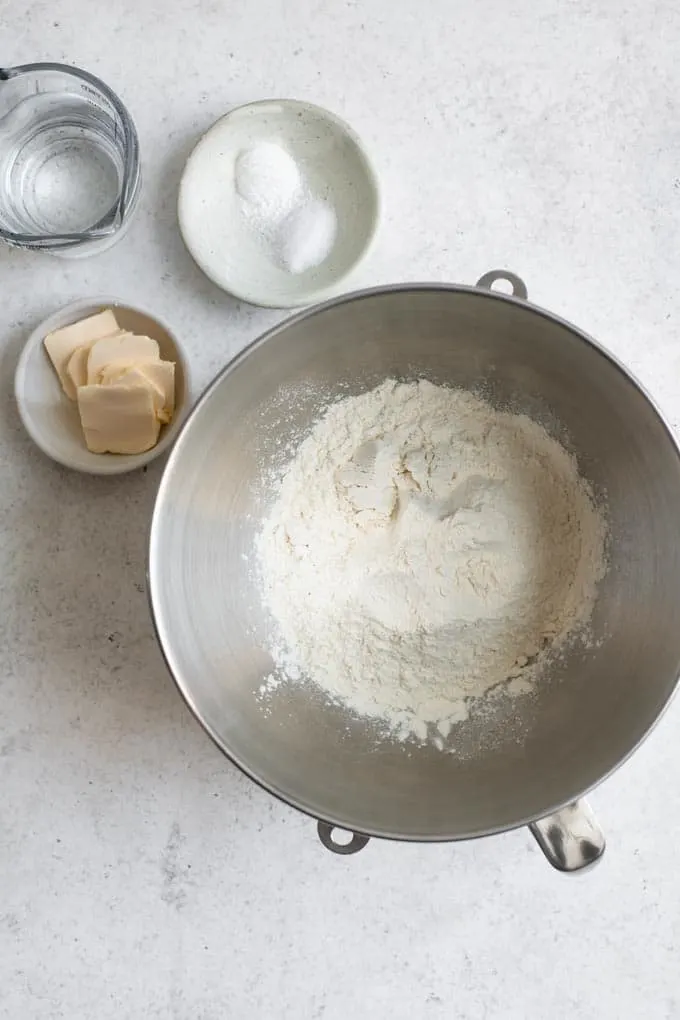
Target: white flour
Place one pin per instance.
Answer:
(423, 549)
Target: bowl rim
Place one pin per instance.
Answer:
(311, 295)
(111, 464)
(483, 293)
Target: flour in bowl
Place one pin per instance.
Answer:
(423, 550)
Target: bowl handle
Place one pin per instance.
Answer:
(519, 288)
(356, 843)
(571, 839)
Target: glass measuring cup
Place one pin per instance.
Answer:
(69, 161)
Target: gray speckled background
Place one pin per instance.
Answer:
(140, 875)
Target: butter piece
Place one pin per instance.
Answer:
(121, 349)
(133, 375)
(118, 419)
(76, 367)
(61, 343)
(162, 375)
(159, 374)
(128, 375)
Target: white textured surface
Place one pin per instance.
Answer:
(140, 875)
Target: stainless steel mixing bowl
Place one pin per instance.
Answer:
(590, 712)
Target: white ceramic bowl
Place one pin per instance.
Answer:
(335, 167)
(52, 420)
